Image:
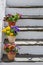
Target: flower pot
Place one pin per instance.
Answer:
(11, 23)
(11, 56)
(11, 39)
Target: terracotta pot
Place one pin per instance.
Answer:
(11, 56)
(11, 23)
(11, 39)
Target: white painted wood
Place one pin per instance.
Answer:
(21, 59)
(25, 29)
(23, 63)
(30, 35)
(28, 42)
(28, 22)
(2, 14)
(41, 11)
(36, 50)
(31, 50)
(23, 11)
(28, 59)
(37, 59)
(24, 2)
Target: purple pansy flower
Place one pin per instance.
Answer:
(15, 32)
(15, 27)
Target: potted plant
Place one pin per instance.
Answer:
(11, 33)
(11, 51)
(12, 19)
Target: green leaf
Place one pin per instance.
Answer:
(12, 30)
(15, 34)
(11, 19)
(7, 50)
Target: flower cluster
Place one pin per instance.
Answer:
(11, 31)
(12, 18)
(10, 48)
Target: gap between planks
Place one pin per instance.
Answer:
(31, 17)
(32, 6)
(29, 40)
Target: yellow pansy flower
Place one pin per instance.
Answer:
(11, 34)
(8, 28)
(8, 32)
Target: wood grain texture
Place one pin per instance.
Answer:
(24, 2)
(28, 23)
(37, 50)
(36, 13)
(30, 35)
(24, 11)
(26, 51)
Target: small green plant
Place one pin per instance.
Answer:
(10, 48)
(12, 18)
(10, 31)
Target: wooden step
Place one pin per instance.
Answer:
(24, 3)
(27, 13)
(24, 58)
